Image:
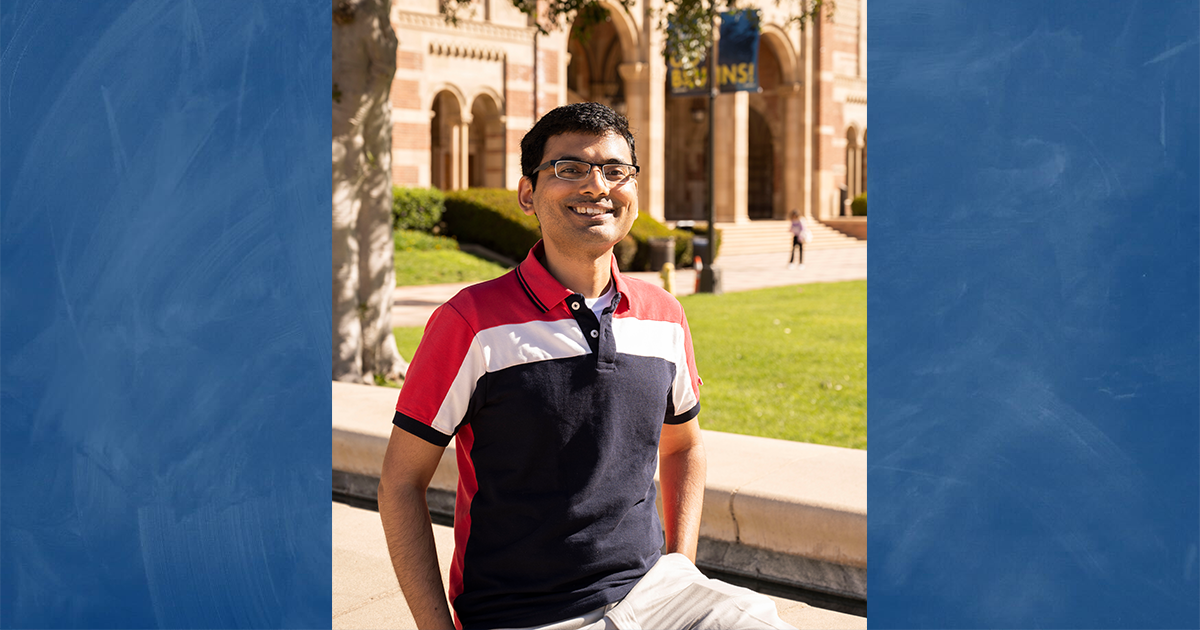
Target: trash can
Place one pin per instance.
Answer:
(662, 251)
(700, 248)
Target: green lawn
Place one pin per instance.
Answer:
(425, 259)
(787, 363)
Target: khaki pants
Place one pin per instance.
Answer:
(675, 595)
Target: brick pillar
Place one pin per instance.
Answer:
(654, 152)
(825, 191)
(462, 154)
(731, 152)
(795, 174)
(635, 75)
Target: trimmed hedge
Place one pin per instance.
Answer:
(858, 207)
(491, 217)
(646, 228)
(417, 208)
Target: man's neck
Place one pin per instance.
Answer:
(580, 274)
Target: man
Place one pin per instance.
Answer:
(565, 384)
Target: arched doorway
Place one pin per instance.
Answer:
(485, 161)
(447, 133)
(767, 151)
(686, 142)
(592, 74)
(760, 203)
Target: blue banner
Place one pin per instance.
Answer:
(688, 80)
(737, 54)
(737, 59)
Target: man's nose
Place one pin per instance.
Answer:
(594, 182)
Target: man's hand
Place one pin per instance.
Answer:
(408, 467)
(681, 472)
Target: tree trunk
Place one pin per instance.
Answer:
(364, 61)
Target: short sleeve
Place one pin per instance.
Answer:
(441, 378)
(685, 390)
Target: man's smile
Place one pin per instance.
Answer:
(591, 209)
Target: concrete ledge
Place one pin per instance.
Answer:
(850, 226)
(787, 511)
(366, 594)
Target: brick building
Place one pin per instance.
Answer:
(463, 96)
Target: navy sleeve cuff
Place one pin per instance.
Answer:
(421, 430)
(685, 416)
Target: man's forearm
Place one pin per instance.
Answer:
(409, 532)
(681, 476)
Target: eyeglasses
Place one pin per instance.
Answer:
(575, 170)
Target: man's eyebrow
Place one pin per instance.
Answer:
(579, 159)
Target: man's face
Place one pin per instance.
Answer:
(586, 217)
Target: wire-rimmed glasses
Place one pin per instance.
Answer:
(578, 170)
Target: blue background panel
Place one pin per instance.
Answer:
(165, 284)
(1034, 324)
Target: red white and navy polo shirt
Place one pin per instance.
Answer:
(558, 415)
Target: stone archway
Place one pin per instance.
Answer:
(768, 163)
(686, 160)
(619, 65)
(449, 133)
(593, 73)
(782, 103)
(485, 159)
(760, 202)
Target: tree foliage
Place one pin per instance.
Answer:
(687, 23)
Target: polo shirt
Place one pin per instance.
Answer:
(558, 415)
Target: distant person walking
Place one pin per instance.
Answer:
(800, 235)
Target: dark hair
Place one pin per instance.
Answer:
(591, 118)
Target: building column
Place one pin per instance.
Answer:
(806, 123)
(731, 155)
(656, 102)
(795, 173)
(635, 75)
(849, 170)
(495, 153)
(858, 187)
(825, 193)
(462, 154)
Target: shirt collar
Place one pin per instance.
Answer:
(547, 292)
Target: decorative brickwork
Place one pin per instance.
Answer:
(406, 60)
(550, 67)
(514, 137)
(437, 24)
(466, 51)
(520, 103)
(405, 175)
(520, 72)
(410, 136)
(406, 94)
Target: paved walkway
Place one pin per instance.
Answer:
(412, 306)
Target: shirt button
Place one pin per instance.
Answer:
(595, 333)
(575, 306)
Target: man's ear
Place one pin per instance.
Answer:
(525, 195)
